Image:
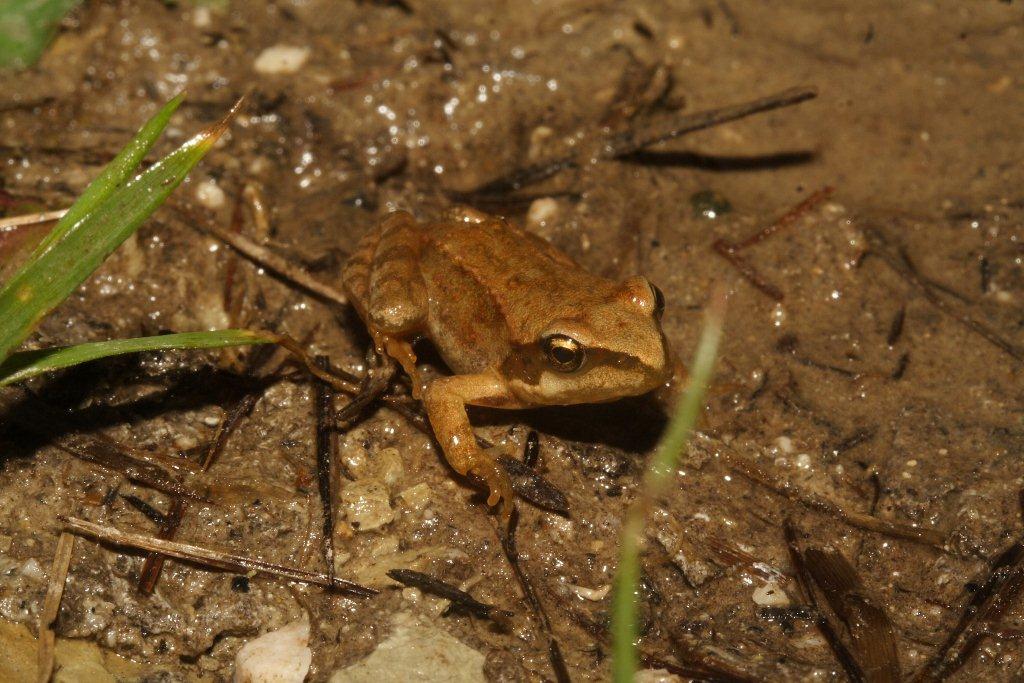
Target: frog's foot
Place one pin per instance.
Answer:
(498, 483)
(401, 351)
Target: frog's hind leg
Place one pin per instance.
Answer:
(446, 399)
(395, 294)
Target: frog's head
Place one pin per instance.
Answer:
(612, 348)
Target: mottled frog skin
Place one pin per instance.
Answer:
(518, 322)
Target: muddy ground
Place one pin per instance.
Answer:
(887, 380)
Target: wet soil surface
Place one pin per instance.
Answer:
(886, 380)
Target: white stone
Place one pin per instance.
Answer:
(281, 656)
(417, 497)
(209, 194)
(416, 653)
(201, 17)
(655, 676)
(595, 594)
(281, 59)
(771, 595)
(542, 211)
(33, 570)
(367, 504)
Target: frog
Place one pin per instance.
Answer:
(519, 323)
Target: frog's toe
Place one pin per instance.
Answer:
(498, 483)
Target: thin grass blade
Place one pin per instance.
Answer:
(26, 28)
(39, 286)
(21, 366)
(114, 174)
(624, 624)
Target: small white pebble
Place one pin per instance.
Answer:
(655, 676)
(281, 656)
(416, 497)
(803, 461)
(367, 505)
(32, 570)
(595, 594)
(784, 444)
(281, 59)
(539, 141)
(211, 420)
(389, 466)
(201, 17)
(209, 194)
(771, 595)
(542, 211)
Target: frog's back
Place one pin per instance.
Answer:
(493, 285)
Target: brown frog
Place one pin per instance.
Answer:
(518, 322)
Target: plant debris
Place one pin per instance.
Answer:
(460, 599)
(210, 558)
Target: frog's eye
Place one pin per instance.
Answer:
(565, 353)
(659, 302)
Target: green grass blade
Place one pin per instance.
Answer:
(624, 624)
(26, 28)
(42, 283)
(115, 173)
(21, 366)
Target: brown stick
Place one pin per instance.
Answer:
(51, 606)
(261, 255)
(216, 559)
(31, 218)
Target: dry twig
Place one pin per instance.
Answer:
(51, 606)
(215, 559)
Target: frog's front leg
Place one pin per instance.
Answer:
(446, 399)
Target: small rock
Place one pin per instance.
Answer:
(417, 497)
(771, 595)
(367, 505)
(684, 556)
(389, 466)
(281, 59)
(202, 17)
(281, 656)
(209, 194)
(539, 139)
(655, 676)
(33, 570)
(415, 652)
(595, 594)
(541, 212)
